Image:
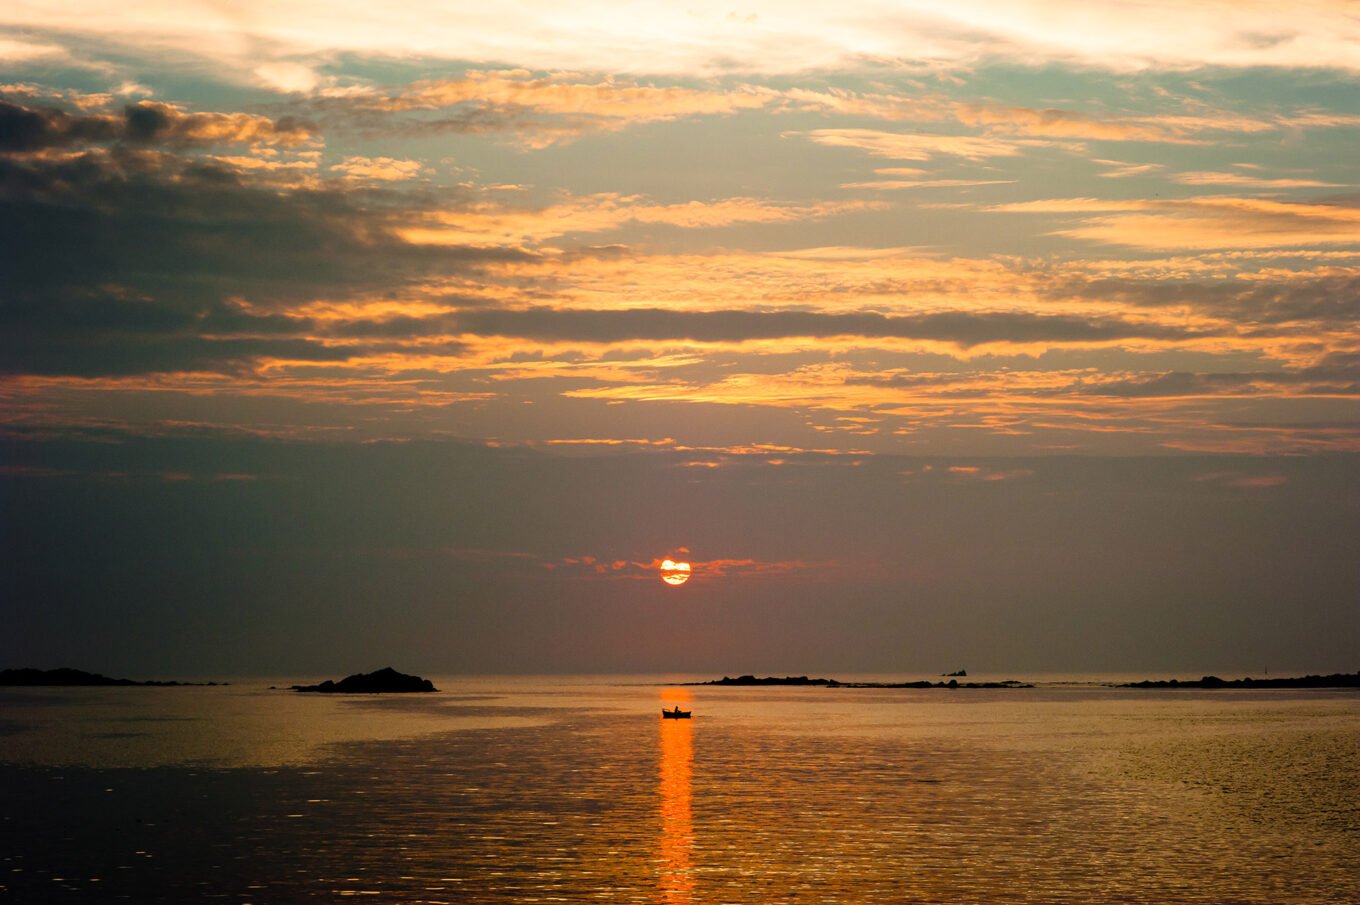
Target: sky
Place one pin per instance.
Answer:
(1014, 336)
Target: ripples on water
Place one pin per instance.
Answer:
(583, 793)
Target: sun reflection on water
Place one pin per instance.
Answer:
(677, 820)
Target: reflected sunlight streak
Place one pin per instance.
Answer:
(676, 880)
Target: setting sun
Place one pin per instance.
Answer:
(675, 573)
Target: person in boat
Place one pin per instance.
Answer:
(677, 709)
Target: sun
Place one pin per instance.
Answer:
(674, 573)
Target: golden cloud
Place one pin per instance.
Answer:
(1220, 222)
(917, 146)
(495, 223)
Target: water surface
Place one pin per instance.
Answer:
(538, 790)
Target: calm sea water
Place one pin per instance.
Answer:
(574, 790)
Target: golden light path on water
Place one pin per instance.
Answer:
(676, 880)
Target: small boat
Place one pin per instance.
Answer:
(676, 714)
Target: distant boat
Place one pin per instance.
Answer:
(676, 714)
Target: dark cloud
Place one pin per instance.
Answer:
(115, 355)
(1335, 366)
(1177, 383)
(1336, 374)
(904, 379)
(115, 256)
(962, 328)
(146, 121)
(94, 334)
(25, 129)
(1326, 299)
(33, 129)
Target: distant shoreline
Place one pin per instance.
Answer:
(1335, 680)
(79, 678)
(747, 681)
(73, 678)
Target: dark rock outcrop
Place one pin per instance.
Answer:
(383, 681)
(769, 680)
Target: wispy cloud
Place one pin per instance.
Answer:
(1121, 170)
(600, 213)
(1208, 222)
(892, 184)
(703, 38)
(1246, 180)
(918, 146)
(535, 111)
(1058, 123)
(16, 51)
(1224, 222)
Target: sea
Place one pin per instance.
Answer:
(573, 789)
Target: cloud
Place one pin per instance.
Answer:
(608, 211)
(604, 100)
(1072, 206)
(891, 184)
(124, 261)
(616, 568)
(986, 473)
(16, 52)
(264, 164)
(538, 111)
(1241, 479)
(379, 169)
(144, 123)
(1320, 119)
(960, 328)
(1057, 123)
(24, 351)
(612, 441)
(916, 146)
(1120, 170)
(289, 77)
(703, 38)
(1337, 374)
(1201, 177)
(1205, 223)
(1172, 384)
(1329, 299)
